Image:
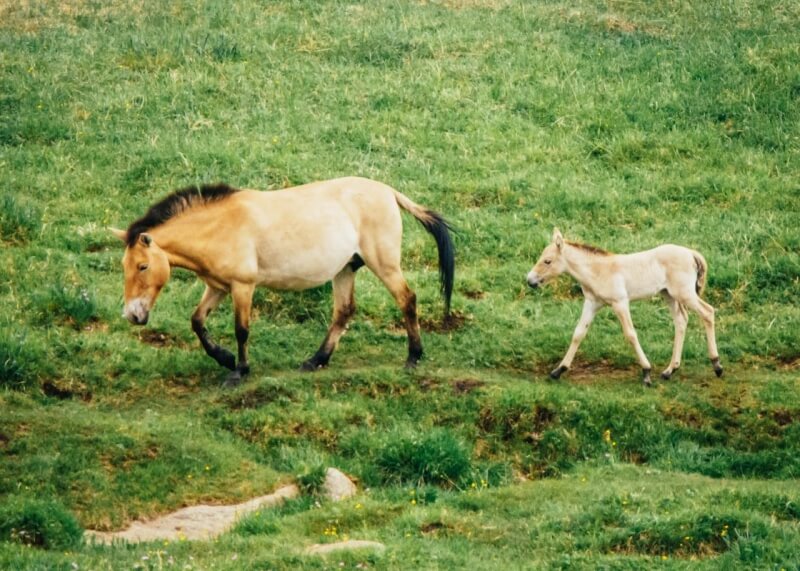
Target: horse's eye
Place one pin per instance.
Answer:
(547, 262)
(142, 267)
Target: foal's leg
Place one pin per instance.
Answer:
(242, 295)
(681, 318)
(344, 306)
(590, 309)
(211, 299)
(622, 309)
(706, 313)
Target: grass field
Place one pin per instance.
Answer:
(625, 124)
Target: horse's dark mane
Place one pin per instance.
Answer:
(175, 203)
(590, 249)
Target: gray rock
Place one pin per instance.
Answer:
(324, 548)
(338, 486)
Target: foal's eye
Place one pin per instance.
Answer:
(142, 267)
(547, 262)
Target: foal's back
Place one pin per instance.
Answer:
(668, 268)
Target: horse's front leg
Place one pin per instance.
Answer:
(211, 299)
(590, 309)
(242, 295)
(623, 312)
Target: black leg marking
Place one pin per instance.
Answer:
(556, 373)
(646, 377)
(412, 327)
(717, 366)
(219, 354)
(242, 334)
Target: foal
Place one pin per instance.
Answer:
(677, 273)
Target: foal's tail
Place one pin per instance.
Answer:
(702, 271)
(440, 230)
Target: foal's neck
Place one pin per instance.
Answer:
(580, 263)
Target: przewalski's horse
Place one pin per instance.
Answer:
(675, 272)
(294, 239)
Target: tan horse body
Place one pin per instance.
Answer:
(291, 239)
(675, 272)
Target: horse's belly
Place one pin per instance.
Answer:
(305, 269)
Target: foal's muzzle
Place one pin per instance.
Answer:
(534, 281)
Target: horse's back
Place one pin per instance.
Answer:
(303, 236)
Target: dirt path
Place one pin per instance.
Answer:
(196, 522)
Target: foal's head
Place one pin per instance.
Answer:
(146, 270)
(551, 263)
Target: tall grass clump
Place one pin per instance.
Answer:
(73, 304)
(17, 360)
(20, 221)
(39, 523)
(436, 457)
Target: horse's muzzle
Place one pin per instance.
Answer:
(137, 311)
(533, 281)
(136, 320)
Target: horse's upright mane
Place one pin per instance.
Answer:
(590, 249)
(175, 203)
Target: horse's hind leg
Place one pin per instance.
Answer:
(623, 312)
(344, 306)
(407, 300)
(242, 294)
(211, 299)
(680, 317)
(706, 313)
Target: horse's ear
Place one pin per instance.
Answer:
(558, 239)
(145, 239)
(121, 234)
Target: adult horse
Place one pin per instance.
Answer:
(675, 272)
(293, 239)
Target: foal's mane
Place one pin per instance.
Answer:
(176, 203)
(590, 249)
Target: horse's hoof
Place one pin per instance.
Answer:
(718, 371)
(311, 365)
(717, 366)
(556, 373)
(646, 377)
(666, 375)
(234, 380)
(411, 364)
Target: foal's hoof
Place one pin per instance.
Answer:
(556, 373)
(411, 364)
(667, 374)
(311, 365)
(717, 366)
(646, 378)
(234, 380)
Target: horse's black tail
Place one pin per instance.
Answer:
(437, 227)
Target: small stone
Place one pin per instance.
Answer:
(324, 548)
(338, 486)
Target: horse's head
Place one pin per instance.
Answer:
(550, 264)
(146, 270)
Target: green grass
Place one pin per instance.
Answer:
(624, 124)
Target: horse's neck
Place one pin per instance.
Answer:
(177, 247)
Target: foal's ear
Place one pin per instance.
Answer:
(145, 239)
(558, 239)
(121, 234)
